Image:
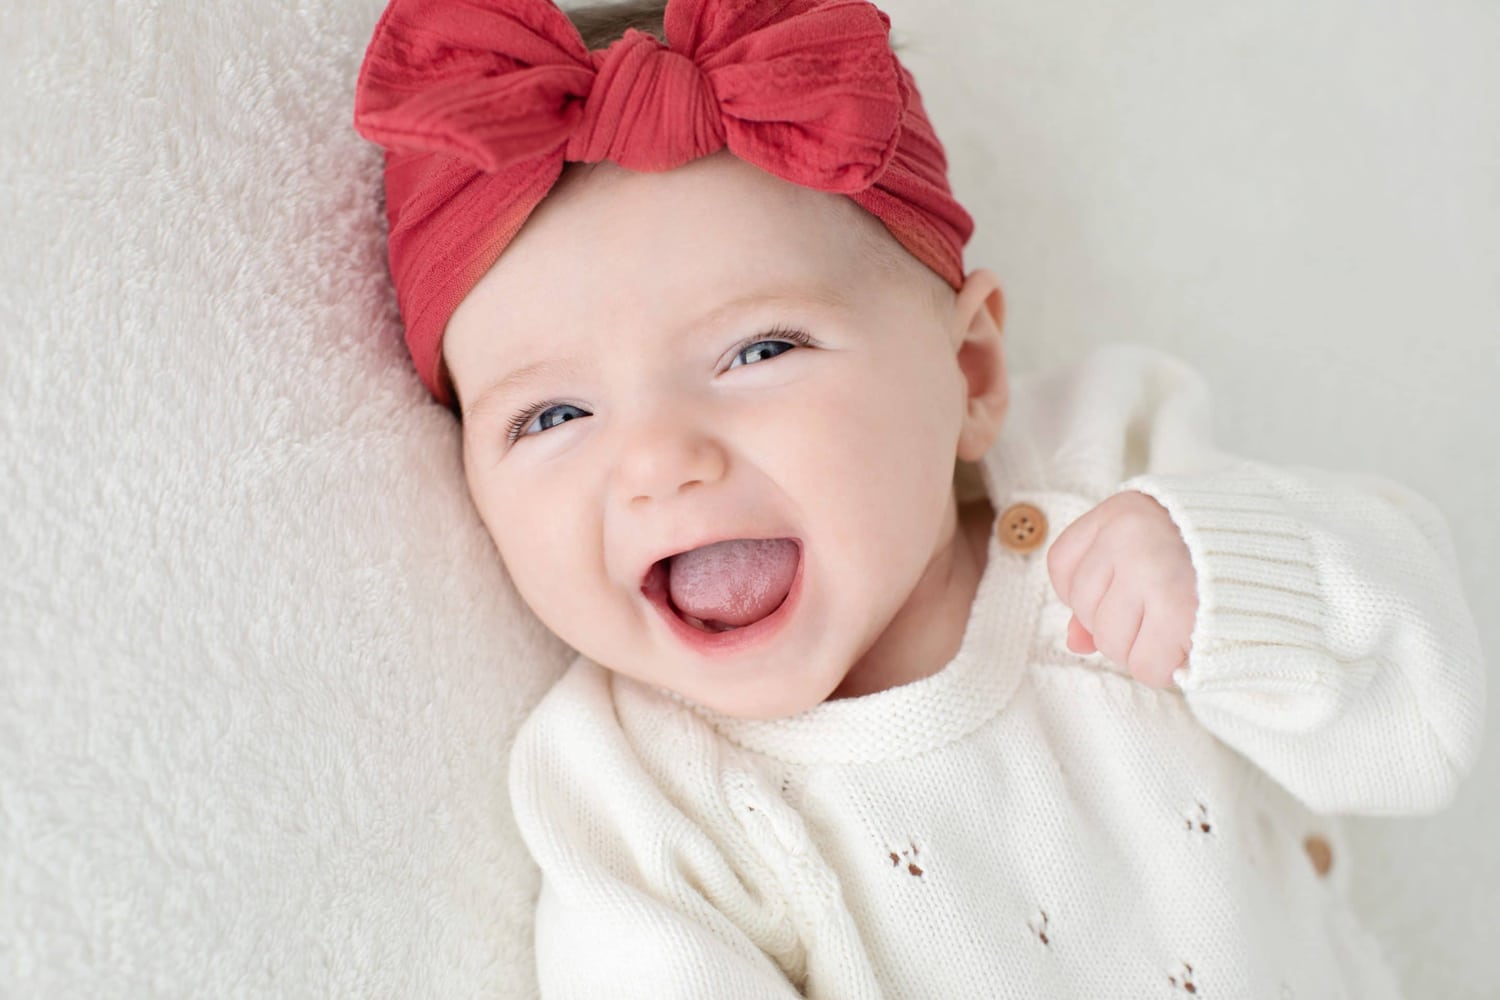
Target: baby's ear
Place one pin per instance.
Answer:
(979, 319)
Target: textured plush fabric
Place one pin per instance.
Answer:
(259, 672)
(480, 105)
(1028, 821)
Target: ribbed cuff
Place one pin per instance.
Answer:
(1257, 577)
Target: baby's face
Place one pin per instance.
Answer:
(660, 362)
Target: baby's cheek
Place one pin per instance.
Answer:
(539, 555)
(904, 429)
(568, 606)
(893, 466)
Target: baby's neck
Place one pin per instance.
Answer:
(928, 630)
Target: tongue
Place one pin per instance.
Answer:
(734, 583)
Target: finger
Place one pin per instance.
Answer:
(1067, 552)
(1079, 640)
(1161, 646)
(1117, 622)
(1091, 581)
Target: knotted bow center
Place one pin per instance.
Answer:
(649, 108)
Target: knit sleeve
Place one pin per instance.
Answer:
(637, 900)
(1333, 646)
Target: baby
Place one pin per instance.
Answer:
(895, 680)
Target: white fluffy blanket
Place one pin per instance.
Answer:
(260, 666)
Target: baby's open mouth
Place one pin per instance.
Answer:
(727, 585)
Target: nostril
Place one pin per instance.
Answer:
(654, 467)
(681, 488)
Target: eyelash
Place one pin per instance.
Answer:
(791, 335)
(522, 420)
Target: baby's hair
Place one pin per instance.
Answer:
(602, 23)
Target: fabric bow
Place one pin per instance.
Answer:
(479, 103)
(806, 90)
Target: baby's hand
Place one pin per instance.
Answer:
(1124, 570)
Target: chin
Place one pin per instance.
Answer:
(764, 706)
(760, 713)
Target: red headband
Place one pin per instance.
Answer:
(479, 105)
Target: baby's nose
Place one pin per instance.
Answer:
(661, 463)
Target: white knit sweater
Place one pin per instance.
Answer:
(1029, 822)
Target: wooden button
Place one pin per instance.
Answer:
(1319, 853)
(1022, 527)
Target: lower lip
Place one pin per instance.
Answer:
(733, 640)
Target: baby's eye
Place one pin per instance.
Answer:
(534, 422)
(762, 350)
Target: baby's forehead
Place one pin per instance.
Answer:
(642, 254)
(593, 273)
(715, 202)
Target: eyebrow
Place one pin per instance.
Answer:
(517, 380)
(828, 298)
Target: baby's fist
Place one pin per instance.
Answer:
(1124, 571)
